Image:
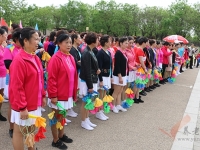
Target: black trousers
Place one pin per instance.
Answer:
(191, 61)
(164, 66)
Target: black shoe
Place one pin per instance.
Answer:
(181, 71)
(166, 80)
(152, 87)
(157, 85)
(60, 145)
(191, 68)
(11, 133)
(136, 101)
(147, 90)
(141, 101)
(66, 139)
(161, 82)
(143, 93)
(2, 118)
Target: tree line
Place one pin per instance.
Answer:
(111, 18)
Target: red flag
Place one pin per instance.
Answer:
(3, 22)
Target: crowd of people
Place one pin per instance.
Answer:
(68, 66)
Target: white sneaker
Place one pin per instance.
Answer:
(5, 100)
(90, 123)
(115, 110)
(42, 109)
(67, 120)
(104, 115)
(86, 125)
(179, 73)
(5, 97)
(71, 113)
(120, 108)
(100, 116)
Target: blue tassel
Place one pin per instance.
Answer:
(52, 121)
(132, 84)
(170, 80)
(106, 89)
(125, 105)
(7, 79)
(176, 64)
(85, 98)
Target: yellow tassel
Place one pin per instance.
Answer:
(51, 115)
(110, 98)
(46, 56)
(40, 122)
(98, 102)
(43, 56)
(149, 71)
(105, 98)
(1, 98)
(140, 70)
(59, 126)
(174, 72)
(29, 141)
(129, 91)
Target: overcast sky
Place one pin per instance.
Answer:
(141, 3)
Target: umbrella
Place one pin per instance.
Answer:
(173, 38)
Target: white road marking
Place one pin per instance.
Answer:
(184, 85)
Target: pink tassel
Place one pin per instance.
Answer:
(143, 77)
(173, 75)
(156, 76)
(94, 111)
(149, 76)
(111, 106)
(130, 96)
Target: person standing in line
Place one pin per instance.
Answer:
(62, 86)
(105, 65)
(191, 54)
(120, 74)
(25, 71)
(89, 77)
(3, 37)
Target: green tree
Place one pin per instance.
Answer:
(180, 15)
(105, 17)
(75, 15)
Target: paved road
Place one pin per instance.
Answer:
(136, 129)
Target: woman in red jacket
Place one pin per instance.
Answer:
(165, 62)
(26, 92)
(62, 85)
